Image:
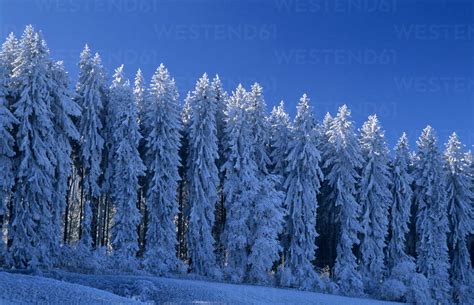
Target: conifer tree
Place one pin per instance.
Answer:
(431, 220)
(402, 196)
(343, 161)
(303, 181)
(127, 167)
(279, 124)
(460, 199)
(375, 197)
(266, 219)
(31, 223)
(162, 121)
(89, 96)
(203, 179)
(241, 185)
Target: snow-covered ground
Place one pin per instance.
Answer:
(72, 288)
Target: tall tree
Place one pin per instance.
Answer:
(431, 220)
(64, 110)
(375, 197)
(460, 198)
(31, 225)
(241, 185)
(279, 124)
(303, 181)
(203, 179)
(7, 152)
(266, 219)
(89, 95)
(343, 161)
(402, 196)
(162, 120)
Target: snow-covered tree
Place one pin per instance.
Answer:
(7, 152)
(460, 199)
(89, 95)
(241, 185)
(203, 179)
(139, 93)
(266, 219)
(127, 167)
(31, 223)
(342, 163)
(8, 54)
(402, 195)
(64, 110)
(375, 197)
(162, 121)
(431, 220)
(303, 181)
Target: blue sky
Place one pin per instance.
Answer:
(411, 62)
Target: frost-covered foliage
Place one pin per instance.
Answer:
(90, 96)
(32, 226)
(279, 124)
(402, 195)
(460, 199)
(241, 185)
(127, 167)
(203, 179)
(162, 125)
(64, 110)
(302, 184)
(344, 160)
(266, 219)
(431, 219)
(375, 197)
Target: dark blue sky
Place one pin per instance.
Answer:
(411, 62)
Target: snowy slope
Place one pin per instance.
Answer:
(26, 289)
(157, 290)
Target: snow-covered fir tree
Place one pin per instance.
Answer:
(64, 110)
(431, 220)
(402, 195)
(31, 226)
(139, 93)
(303, 181)
(127, 167)
(203, 179)
(266, 219)
(241, 185)
(342, 163)
(375, 197)
(89, 96)
(8, 54)
(162, 121)
(460, 199)
(7, 152)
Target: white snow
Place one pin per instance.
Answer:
(18, 289)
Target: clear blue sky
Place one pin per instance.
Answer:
(411, 62)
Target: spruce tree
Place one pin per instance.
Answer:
(89, 96)
(303, 181)
(31, 223)
(127, 167)
(431, 220)
(460, 199)
(279, 124)
(402, 196)
(375, 197)
(162, 121)
(203, 179)
(241, 185)
(266, 219)
(342, 164)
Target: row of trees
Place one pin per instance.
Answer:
(220, 187)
